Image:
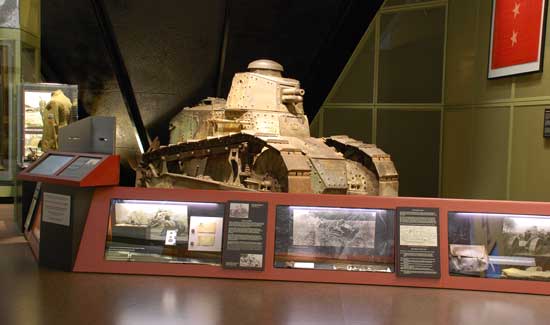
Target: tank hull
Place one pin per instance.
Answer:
(259, 140)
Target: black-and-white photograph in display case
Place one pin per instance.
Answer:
(527, 236)
(251, 260)
(158, 218)
(239, 210)
(335, 238)
(322, 228)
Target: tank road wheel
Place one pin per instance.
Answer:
(269, 172)
(513, 244)
(535, 245)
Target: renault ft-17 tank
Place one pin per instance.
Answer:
(259, 140)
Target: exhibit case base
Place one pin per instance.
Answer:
(414, 242)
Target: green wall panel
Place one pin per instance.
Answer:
(411, 56)
(412, 139)
(490, 153)
(358, 83)
(458, 133)
(461, 63)
(355, 123)
(391, 3)
(475, 153)
(530, 172)
(314, 125)
(478, 160)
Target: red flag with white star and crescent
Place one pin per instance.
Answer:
(516, 32)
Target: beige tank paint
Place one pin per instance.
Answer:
(259, 140)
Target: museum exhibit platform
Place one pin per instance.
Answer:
(158, 256)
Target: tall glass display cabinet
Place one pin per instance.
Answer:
(19, 63)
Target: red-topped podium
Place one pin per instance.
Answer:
(68, 181)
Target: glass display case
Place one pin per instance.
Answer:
(500, 246)
(335, 239)
(45, 108)
(19, 62)
(165, 232)
(6, 114)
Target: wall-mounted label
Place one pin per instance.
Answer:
(546, 131)
(418, 242)
(56, 208)
(244, 239)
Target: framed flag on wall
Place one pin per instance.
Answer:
(517, 37)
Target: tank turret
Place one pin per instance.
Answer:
(259, 140)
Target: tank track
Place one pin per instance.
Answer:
(371, 157)
(306, 165)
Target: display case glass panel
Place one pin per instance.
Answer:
(80, 167)
(500, 246)
(46, 108)
(7, 124)
(165, 232)
(51, 165)
(334, 239)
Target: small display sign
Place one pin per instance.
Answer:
(546, 132)
(56, 209)
(244, 238)
(418, 243)
(171, 237)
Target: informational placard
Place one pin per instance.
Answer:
(56, 208)
(418, 243)
(244, 238)
(546, 132)
(171, 237)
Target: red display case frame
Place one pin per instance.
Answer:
(90, 257)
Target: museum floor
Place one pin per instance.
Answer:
(30, 295)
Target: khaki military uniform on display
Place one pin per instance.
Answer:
(55, 114)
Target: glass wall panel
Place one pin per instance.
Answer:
(411, 56)
(412, 139)
(7, 119)
(358, 84)
(355, 123)
(390, 3)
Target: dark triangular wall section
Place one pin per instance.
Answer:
(172, 51)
